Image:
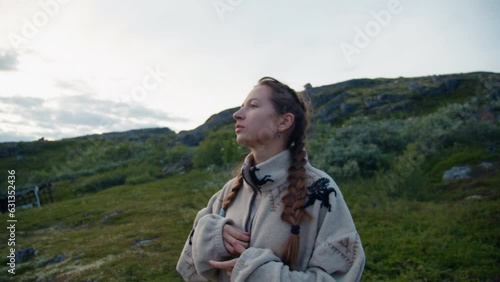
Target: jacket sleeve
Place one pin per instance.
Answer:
(204, 243)
(337, 256)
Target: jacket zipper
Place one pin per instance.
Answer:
(249, 220)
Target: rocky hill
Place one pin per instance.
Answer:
(334, 103)
(193, 137)
(8, 149)
(379, 97)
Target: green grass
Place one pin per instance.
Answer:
(408, 240)
(404, 240)
(161, 211)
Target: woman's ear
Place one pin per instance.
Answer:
(286, 121)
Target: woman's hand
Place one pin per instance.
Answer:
(229, 264)
(235, 237)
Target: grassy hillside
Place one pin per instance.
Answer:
(124, 206)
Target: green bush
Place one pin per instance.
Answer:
(373, 144)
(178, 153)
(406, 178)
(349, 171)
(139, 178)
(218, 148)
(103, 181)
(358, 148)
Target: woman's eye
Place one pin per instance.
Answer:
(253, 106)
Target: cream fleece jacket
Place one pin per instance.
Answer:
(330, 247)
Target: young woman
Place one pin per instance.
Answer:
(280, 219)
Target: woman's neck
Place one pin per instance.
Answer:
(264, 153)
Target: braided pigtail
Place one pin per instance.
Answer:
(234, 190)
(232, 194)
(294, 201)
(286, 100)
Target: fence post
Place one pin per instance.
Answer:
(36, 195)
(49, 187)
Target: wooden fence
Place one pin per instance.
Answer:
(31, 197)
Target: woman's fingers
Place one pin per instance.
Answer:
(239, 248)
(244, 245)
(237, 233)
(228, 265)
(229, 247)
(233, 237)
(231, 240)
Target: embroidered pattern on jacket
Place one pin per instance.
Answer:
(319, 190)
(275, 197)
(256, 180)
(346, 248)
(189, 270)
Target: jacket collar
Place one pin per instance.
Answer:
(271, 173)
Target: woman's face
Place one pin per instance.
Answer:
(256, 120)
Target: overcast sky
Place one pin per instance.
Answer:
(70, 68)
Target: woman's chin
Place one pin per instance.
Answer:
(242, 140)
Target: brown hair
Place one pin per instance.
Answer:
(286, 100)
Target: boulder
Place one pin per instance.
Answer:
(110, 216)
(403, 106)
(347, 108)
(142, 241)
(325, 98)
(415, 87)
(486, 165)
(327, 113)
(181, 166)
(55, 260)
(494, 93)
(457, 172)
(451, 84)
(371, 103)
(390, 97)
(25, 254)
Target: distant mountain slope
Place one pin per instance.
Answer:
(130, 135)
(11, 148)
(379, 98)
(337, 102)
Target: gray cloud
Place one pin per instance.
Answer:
(79, 86)
(30, 118)
(66, 117)
(8, 60)
(23, 102)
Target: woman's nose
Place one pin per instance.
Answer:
(238, 115)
